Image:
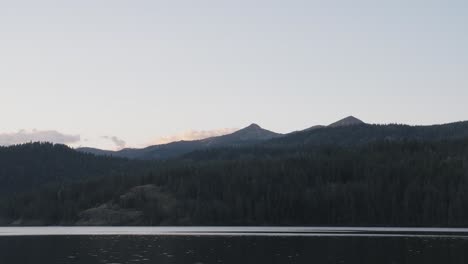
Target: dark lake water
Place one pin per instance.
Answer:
(236, 247)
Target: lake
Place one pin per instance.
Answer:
(236, 245)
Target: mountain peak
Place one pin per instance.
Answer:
(253, 126)
(252, 132)
(347, 121)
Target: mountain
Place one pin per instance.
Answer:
(249, 135)
(345, 132)
(361, 134)
(362, 175)
(348, 121)
(357, 175)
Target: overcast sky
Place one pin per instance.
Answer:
(112, 73)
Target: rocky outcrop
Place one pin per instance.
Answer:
(134, 207)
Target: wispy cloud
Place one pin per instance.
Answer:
(119, 143)
(24, 136)
(194, 135)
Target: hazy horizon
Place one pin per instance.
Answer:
(114, 74)
(53, 136)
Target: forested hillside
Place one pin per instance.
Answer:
(365, 133)
(30, 166)
(349, 131)
(385, 182)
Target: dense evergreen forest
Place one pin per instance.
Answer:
(28, 166)
(409, 177)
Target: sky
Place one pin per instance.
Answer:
(114, 73)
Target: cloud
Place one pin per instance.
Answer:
(120, 143)
(25, 136)
(194, 135)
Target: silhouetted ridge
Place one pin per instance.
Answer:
(253, 126)
(249, 135)
(348, 121)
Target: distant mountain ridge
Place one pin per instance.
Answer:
(345, 132)
(360, 134)
(251, 134)
(347, 121)
(248, 135)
